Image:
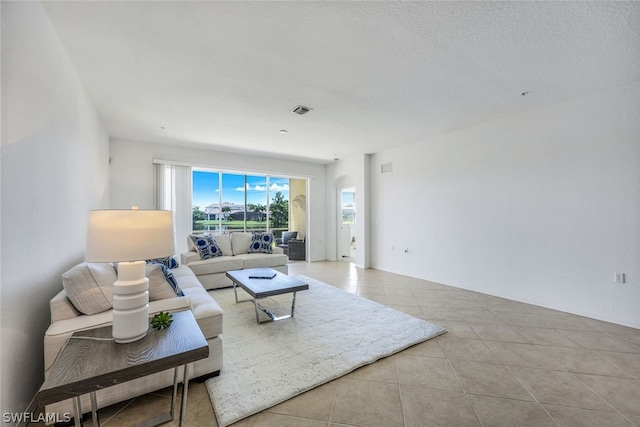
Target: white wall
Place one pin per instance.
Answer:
(54, 168)
(132, 177)
(542, 207)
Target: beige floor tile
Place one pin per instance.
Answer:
(572, 417)
(558, 388)
(633, 418)
(430, 348)
(621, 393)
(584, 361)
(630, 338)
(458, 329)
(426, 372)
(411, 310)
(524, 355)
(500, 332)
(488, 379)
(366, 403)
(603, 341)
(530, 320)
(315, 404)
(433, 314)
(480, 316)
(397, 292)
(467, 349)
(628, 362)
(546, 336)
(494, 411)
(383, 370)
(424, 407)
(269, 419)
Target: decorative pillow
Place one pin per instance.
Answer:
(261, 243)
(288, 235)
(206, 246)
(162, 282)
(241, 242)
(224, 243)
(170, 261)
(89, 286)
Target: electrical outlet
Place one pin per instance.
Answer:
(618, 277)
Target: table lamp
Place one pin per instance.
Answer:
(129, 237)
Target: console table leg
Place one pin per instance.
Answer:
(77, 411)
(94, 409)
(174, 394)
(185, 390)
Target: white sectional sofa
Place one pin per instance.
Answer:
(231, 253)
(95, 280)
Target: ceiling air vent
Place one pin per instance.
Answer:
(300, 109)
(386, 168)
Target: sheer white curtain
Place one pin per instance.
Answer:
(173, 192)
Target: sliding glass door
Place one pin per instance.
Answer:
(224, 202)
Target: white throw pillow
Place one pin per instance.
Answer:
(89, 286)
(241, 242)
(162, 283)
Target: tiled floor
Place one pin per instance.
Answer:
(502, 363)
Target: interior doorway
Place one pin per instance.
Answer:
(347, 244)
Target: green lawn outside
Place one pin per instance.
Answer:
(236, 225)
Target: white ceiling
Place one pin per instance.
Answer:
(377, 74)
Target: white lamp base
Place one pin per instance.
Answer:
(130, 302)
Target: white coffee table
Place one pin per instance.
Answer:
(263, 288)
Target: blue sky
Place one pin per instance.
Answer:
(205, 188)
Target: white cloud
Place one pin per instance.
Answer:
(277, 187)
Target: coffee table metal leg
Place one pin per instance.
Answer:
(255, 305)
(293, 304)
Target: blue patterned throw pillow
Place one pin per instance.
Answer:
(169, 261)
(206, 246)
(261, 243)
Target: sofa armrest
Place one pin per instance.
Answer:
(191, 256)
(277, 250)
(61, 307)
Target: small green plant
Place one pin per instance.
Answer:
(161, 320)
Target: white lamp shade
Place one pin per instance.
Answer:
(129, 235)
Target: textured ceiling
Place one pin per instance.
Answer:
(377, 74)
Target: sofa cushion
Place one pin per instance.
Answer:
(205, 309)
(240, 242)
(162, 283)
(262, 260)
(261, 243)
(169, 261)
(288, 235)
(216, 265)
(89, 286)
(206, 246)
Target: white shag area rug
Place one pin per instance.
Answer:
(333, 333)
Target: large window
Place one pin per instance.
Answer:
(223, 202)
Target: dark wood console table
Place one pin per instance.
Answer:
(90, 361)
